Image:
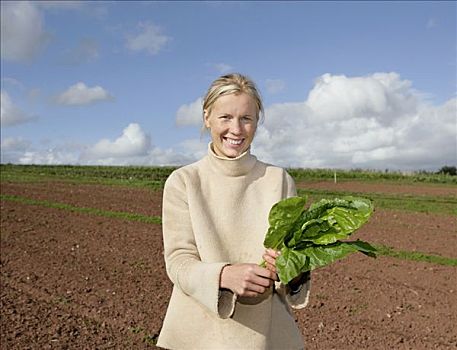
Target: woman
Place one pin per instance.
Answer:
(215, 216)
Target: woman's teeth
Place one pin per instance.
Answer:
(234, 142)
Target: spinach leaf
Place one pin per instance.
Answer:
(309, 239)
(282, 218)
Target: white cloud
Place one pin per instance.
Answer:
(80, 94)
(161, 157)
(382, 96)
(22, 31)
(190, 114)
(377, 121)
(193, 149)
(150, 39)
(20, 151)
(48, 157)
(10, 114)
(15, 144)
(133, 147)
(133, 142)
(275, 86)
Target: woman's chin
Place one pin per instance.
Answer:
(232, 155)
(231, 152)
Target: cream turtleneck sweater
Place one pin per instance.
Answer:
(215, 213)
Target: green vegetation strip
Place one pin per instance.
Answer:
(147, 176)
(93, 211)
(415, 256)
(423, 204)
(372, 176)
(19, 177)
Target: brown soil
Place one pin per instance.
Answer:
(101, 281)
(384, 303)
(423, 232)
(80, 281)
(114, 198)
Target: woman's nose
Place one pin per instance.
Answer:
(235, 126)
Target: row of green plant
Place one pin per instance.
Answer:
(101, 172)
(424, 204)
(86, 210)
(373, 175)
(382, 249)
(157, 175)
(81, 176)
(415, 256)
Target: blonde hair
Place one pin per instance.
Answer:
(232, 84)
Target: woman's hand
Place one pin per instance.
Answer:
(247, 280)
(270, 260)
(269, 257)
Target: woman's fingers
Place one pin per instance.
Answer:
(273, 253)
(264, 280)
(268, 273)
(271, 267)
(270, 259)
(270, 255)
(248, 279)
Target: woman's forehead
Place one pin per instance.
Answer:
(236, 103)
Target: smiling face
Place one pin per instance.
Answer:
(232, 121)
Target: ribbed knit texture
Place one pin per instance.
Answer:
(215, 212)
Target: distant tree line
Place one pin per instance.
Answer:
(448, 170)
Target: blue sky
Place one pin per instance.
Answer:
(345, 84)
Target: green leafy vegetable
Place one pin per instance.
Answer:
(311, 238)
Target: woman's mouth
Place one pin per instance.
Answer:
(233, 142)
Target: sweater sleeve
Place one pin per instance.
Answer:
(300, 298)
(197, 279)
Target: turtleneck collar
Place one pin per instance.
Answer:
(238, 166)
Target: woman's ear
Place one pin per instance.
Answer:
(206, 118)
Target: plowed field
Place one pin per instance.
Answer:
(72, 280)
